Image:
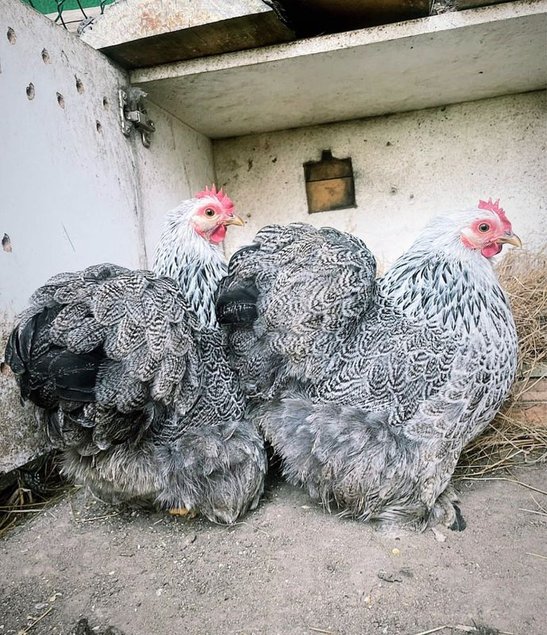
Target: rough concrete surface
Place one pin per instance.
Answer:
(410, 65)
(286, 568)
(408, 168)
(20, 439)
(125, 21)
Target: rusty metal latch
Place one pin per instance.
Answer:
(133, 114)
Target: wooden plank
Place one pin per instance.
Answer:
(473, 4)
(328, 168)
(244, 32)
(330, 194)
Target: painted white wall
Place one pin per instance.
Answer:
(408, 167)
(178, 164)
(69, 194)
(72, 195)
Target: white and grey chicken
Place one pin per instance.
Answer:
(369, 389)
(130, 378)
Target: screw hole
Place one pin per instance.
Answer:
(30, 91)
(6, 243)
(11, 35)
(60, 100)
(79, 85)
(105, 102)
(99, 126)
(45, 57)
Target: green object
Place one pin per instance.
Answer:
(53, 6)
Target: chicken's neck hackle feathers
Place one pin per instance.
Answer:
(441, 282)
(194, 263)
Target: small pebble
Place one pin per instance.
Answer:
(388, 577)
(439, 536)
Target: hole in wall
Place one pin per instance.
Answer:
(12, 38)
(99, 126)
(45, 57)
(6, 243)
(30, 91)
(79, 85)
(60, 100)
(329, 183)
(105, 102)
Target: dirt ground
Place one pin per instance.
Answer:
(288, 568)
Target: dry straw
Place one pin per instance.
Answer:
(519, 433)
(34, 488)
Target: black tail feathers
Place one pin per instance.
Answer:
(237, 305)
(47, 373)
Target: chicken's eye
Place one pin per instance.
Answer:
(209, 212)
(484, 227)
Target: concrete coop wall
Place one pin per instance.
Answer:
(75, 191)
(407, 168)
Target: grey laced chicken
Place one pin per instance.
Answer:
(130, 378)
(368, 389)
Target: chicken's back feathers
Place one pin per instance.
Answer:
(306, 286)
(108, 336)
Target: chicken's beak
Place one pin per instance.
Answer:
(510, 239)
(234, 220)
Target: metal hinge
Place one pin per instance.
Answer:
(133, 114)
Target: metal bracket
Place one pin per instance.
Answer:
(133, 114)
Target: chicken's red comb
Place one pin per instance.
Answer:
(220, 195)
(492, 206)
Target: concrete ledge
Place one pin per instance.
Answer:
(146, 32)
(434, 61)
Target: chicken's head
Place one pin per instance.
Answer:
(212, 213)
(489, 230)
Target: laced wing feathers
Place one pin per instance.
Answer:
(111, 338)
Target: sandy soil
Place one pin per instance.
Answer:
(288, 568)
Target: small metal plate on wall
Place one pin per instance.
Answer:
(329, 183)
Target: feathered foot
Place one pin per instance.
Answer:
(123, 474)
(446, 511)
(183, 511)
(351, 457)
(216, 470)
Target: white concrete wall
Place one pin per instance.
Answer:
(69, 194)
(68, 190)
(408, 167)
(178, 164)
(72, 195)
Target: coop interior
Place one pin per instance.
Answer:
(373, 123)
(370, 117)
